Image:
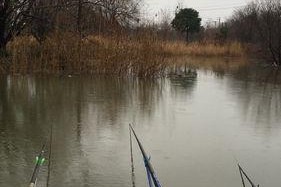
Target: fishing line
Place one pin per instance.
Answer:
(50, 154)
(241, 171)
(132, 161)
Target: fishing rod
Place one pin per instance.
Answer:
(243, 173)
(148, 175)
(148, 165)
(39, 162)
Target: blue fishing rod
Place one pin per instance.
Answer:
(39, 162)
(150, 171)
(148, 174)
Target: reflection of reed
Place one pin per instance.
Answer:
(43, 97)
(121, 96)
(183, 80)
(183, 76)
(30, 105)
(220, 66)
(37, 96)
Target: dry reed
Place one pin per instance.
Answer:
(67, 54)
(208, 49)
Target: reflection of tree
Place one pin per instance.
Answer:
(258, 74)
(259, 93)
(30, 105)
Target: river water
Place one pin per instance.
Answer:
(195, 129)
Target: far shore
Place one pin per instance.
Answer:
(123, 55)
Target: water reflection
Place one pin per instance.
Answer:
(74, 106)
(219, 66)
(188, 122)
(183, 77)
(260, 94)
(260, 74)
(182, 81)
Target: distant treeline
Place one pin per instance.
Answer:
(41, 17)
(259, 23)
(257, 26)
(51, 22)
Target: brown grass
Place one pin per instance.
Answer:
(64, 54)
(208, 49)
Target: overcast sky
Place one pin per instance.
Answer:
(208, 9)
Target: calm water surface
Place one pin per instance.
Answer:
(194, 129)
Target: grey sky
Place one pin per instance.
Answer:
(208, 9)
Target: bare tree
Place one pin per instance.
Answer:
(43, 15)
(243, 24)
(122, 12)
(14, 15)
(269, 27)
(260, 23)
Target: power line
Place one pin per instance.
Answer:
(200, 9)
(221, 8)
(212, 8)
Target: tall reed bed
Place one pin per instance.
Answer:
(206, 49)
(66, 53)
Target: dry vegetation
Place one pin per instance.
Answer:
(137, 56)
(206, 49)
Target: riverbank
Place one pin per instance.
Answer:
(140, 56)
